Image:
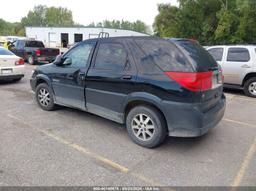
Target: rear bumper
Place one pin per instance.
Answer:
(11, 77)
(187, 120)
(17, 72)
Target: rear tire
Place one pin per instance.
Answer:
(31, 60)
(44, 97)
(146, 126)
(250, 87)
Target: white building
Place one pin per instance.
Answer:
(64, 36)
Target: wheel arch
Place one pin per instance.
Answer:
(145, 99)
(248, 76)
(42, 79)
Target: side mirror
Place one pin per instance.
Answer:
(58, 60)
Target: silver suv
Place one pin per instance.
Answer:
(238, 63)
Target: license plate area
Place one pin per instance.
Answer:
(6, 71)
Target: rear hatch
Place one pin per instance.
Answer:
(203, 63)
(190, 65)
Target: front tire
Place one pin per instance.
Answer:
(44, 97)
(146, 126)
(250, 87)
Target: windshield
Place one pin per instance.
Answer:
(5, 52)
(200, 58)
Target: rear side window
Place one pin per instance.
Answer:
(5, 52)
(217, 53)
(199, 57)
(238, 55)
(34, 44)
(111, 56)
(164, 54)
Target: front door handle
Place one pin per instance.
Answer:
(126, 77)
(245, 66)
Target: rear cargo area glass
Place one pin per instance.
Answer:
(200, 58)
(164, 54)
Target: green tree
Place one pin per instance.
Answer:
(209, 21)
(59, 17)
(138, 26)
(48, 16)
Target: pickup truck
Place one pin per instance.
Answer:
(34, 51)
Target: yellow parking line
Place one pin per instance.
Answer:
(245, 164)
(91, 154)
(239, 122)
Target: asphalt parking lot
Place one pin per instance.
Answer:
(68, 147)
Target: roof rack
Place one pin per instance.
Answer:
(103, 35)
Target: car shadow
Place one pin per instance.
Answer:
(180, 143)
(234, 91)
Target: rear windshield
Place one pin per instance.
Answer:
(5, 52)
(164, 54)
(36, 44)
(200, 58)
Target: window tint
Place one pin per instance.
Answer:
(199, 57)
(79, 55)
(164, 54)
(5, 52)
(238, 55)
(111, 56)
(36, 44)
(216, 53)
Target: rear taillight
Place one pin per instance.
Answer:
(38, 52)
(194, 81)
(20, 62)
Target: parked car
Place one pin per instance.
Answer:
(238, 63)
(34, 51)
(155, 86)
(11, 66)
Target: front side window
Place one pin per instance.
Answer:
(79, 55)
(111, 56)
(238, 55)
(216, 53)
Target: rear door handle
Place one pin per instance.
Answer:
(126, 77)
(246, 66)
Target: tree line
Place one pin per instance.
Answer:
(61, 17)
(208, 21)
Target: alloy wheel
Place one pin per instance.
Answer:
(44, 97)
(252, 88)
(143, 127)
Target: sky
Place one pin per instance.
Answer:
(88, 11)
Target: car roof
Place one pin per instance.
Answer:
(233, 45)
(121, 37)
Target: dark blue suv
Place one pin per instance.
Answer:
(155, 86)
